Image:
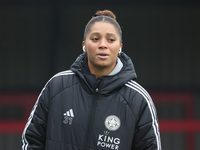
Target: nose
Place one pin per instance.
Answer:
(103, 44)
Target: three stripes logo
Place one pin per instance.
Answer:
(68, 117)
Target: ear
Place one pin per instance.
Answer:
(120, 50)
(83, 45)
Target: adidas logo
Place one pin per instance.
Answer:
(68, 117)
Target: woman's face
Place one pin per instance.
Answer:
(102, 46)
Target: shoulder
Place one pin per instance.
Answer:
(61, 81)
(137, 89)
(138, 99)
(136, 95)
(64, 74)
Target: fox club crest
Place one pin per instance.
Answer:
(112, 123)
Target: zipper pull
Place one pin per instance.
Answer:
(97, 90)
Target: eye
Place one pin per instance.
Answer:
(111, 40)
(95, 39)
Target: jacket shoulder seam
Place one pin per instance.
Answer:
(127, 103)
(62, 74)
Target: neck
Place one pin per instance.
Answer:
(100, 71)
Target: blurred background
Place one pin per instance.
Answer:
(39, 38)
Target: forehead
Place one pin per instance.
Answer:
(103, 27)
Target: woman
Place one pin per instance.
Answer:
(96, 104)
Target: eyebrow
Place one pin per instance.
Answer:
(97, 33)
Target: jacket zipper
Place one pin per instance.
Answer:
(91, 119)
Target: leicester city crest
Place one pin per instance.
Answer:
(112, 123)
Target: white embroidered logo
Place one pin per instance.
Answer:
(112, 123)
(68, 117)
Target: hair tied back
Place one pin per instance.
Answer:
(105, 13)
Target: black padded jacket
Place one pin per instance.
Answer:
(74, 111)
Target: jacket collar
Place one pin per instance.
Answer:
(105, 84)
(117, 68)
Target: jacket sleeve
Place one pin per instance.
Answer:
(33, 137)
(147, 136)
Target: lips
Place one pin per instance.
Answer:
(102, 55)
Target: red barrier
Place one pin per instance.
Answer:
(9, 127)
(177, 126)
(26, 101)
(188, 125)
